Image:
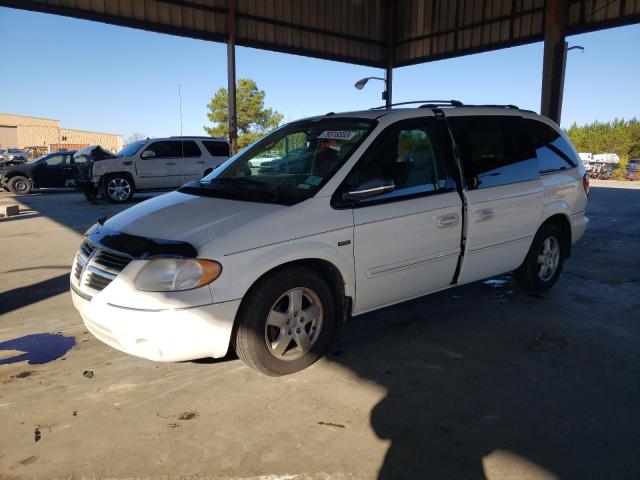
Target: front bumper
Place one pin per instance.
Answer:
(168, 335)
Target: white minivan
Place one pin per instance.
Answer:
(359, 211)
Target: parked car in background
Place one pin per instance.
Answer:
(54, 170)
(383, 206)
(13, 155)
(151, 164)
(633, 169)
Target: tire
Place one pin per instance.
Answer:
(118, 188)
(543, 264)
(20, 185)
(281, 350)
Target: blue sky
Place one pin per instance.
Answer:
(100, 77)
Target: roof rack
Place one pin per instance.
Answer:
(200, 137)
(445, 103)
(442, 103)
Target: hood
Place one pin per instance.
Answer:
(95, 153)
(188, 218)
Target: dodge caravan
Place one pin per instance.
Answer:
(359, 211)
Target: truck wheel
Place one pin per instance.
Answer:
(19, 185)
(118, 188)
(543, 264)
(285, 322)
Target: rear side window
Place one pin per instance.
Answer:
(185, 148)
(215, 148)
(553, 151)
(494, 151)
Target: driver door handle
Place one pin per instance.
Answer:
(171, 163)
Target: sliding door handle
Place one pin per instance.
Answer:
(448, 220)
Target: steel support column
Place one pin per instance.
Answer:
(555, 25)
(391, 42)
(231, 75)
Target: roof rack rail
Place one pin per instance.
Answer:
(451, 103)
(201, 137)
(514, 107)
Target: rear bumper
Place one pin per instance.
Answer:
(166, 335)
(579, 223)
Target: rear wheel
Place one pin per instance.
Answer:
(20, 185)
(543, 264)
(285, 322)
(118, 188)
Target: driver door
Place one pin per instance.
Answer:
(407, 241)
(158, 166)
(53, 171)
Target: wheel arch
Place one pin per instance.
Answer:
(329, 271)
(561, 219)
(107, 175)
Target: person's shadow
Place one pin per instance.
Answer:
(37, 348)
(487, 382)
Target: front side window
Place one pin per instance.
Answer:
(410, 158)
(494, 151)
(56, 160)
(289, 165)
(162, 149)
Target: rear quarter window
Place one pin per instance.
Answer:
(216, 148)
(553, 151)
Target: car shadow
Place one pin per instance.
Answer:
(482, 381)
(30, 294)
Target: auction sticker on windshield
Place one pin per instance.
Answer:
(338, 134)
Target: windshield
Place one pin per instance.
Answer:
(289, 165)
(131, 148)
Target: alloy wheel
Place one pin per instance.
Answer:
(118, 189)
(293, 324)
(548, 259)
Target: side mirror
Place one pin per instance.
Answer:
(148, 154)
(370, 188)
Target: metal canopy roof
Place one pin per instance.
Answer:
(355, 31)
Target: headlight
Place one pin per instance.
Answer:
(173, 274)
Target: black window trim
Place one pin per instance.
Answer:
(337, 202)
(153, 142)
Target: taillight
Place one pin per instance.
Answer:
(585, 183)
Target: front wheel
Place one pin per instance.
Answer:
(20, 185)
(543, 263)
(118, 188)
(285, 322)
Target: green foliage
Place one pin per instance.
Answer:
(254, 121)
(619, 136)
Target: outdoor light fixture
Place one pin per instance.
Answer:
(362, 82)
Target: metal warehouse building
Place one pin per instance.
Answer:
(40, 135)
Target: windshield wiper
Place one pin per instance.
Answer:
(236, 181)
(243, 183)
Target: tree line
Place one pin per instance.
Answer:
(619, 136)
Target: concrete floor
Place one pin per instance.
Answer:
(481, 381)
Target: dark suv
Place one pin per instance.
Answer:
(57, 169)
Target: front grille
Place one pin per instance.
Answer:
(95, 268)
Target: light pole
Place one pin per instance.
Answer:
(385, 96)
(567, 48)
